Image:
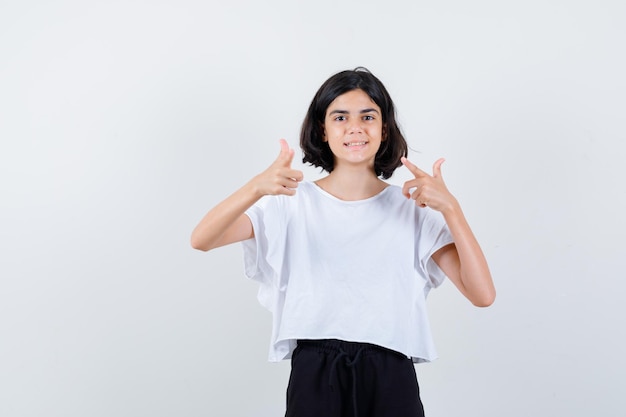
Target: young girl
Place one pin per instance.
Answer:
(345, 263)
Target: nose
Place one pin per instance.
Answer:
(355, 126)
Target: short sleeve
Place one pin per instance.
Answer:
(263, 254)
(433, 235)
(253, 249)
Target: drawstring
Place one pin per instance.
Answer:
(350, 363)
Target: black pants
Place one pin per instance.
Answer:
(332, 378)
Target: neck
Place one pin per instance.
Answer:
(352, 184)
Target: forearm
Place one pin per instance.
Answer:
(226, 222)
(473, 275)
(213, 230)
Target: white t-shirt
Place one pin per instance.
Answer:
(357, 271)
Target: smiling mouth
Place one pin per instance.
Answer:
(350, 144)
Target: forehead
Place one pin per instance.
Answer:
(353, 100)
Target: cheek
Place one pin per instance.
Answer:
(382, 132)
(331, 134)
(376, 132)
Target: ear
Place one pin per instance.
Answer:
(384, 133)
(323, 129)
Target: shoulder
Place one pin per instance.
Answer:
(394, 200)
(392, 194)
(306, 187)
(286, 202)
(394, 189)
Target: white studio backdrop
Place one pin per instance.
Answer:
(123, 122)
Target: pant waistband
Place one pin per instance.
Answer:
(342, 346)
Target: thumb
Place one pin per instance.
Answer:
(437, 167)
(286, 153)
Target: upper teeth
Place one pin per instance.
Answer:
(355, 143)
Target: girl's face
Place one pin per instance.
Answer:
(353, 128)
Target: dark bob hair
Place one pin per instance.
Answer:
(317, 152)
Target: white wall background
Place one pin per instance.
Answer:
(123, 122)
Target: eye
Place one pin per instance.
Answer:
(340, 118)
(368, 117)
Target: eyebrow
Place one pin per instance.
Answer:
(371, 110)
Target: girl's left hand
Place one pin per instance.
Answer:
(429, 190)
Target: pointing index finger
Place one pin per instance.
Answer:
(412, 167)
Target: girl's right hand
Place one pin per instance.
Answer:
(279, 178)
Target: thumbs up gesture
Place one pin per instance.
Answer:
(279, 177)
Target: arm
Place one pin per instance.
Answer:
(226, 223)
(463, 262)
